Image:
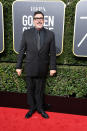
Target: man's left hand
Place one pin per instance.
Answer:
(52, 72)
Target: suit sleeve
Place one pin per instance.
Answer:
(21, 52)
(53, 54)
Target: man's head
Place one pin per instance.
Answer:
(38, 19)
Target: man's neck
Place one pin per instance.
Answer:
(39, 28)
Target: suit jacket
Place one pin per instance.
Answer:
(37, 62)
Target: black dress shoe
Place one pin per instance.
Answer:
(44, 114)
(29, 114)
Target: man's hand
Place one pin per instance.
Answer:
(19, 71)
(52, 72)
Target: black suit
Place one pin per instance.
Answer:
(37, 61)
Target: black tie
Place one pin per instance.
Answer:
(38, 40)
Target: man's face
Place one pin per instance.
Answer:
(38, 21)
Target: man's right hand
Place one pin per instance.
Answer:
(19, 71)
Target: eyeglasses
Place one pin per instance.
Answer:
(38, 18)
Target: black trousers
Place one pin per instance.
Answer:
(35, 92)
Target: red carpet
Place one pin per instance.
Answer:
(12, 119)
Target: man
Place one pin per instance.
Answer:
(39, 45)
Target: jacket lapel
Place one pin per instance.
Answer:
(34, 44)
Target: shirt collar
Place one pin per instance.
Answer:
(40, 29)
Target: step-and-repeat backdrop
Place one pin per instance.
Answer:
(54, 13)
